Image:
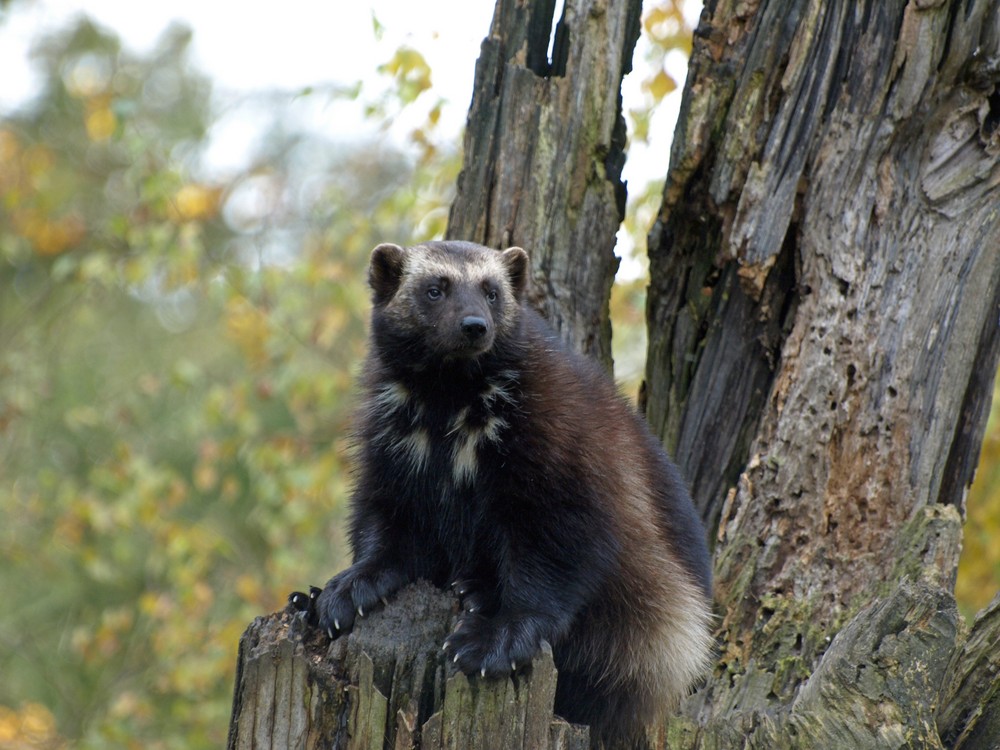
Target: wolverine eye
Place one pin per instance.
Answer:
(434, 293)
(491, 295)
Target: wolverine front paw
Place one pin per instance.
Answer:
(476, 597)
(348, 595)
(492, 647)
(305, 603)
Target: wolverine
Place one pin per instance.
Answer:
(492, 459)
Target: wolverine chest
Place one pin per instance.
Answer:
(443, 437)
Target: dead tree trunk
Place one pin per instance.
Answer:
(544, 152)
(824, 323)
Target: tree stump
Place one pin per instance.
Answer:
(386, 685)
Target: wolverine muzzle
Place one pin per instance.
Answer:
(474, 327)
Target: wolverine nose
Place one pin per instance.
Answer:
(473, 327)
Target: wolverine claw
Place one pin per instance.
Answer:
(301, 601)
(304, 606)
(482, 671)
(329, 632)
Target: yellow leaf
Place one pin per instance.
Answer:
(664, 24)
(50, 236)
(9, 724)
(655, 16)
(195, 203)
(203, 594)
(435, 114)
(411, 71)
(205, 477)
(660, 85)
(101, 124)
(249, 328)
(37, 161)
(640, 124)
(37, 722)
(248, 588)
(979, 566)
(9, 147)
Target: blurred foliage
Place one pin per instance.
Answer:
(979, 567)
(628, 345)
(667, 32)
(33, 727)
(176, 360)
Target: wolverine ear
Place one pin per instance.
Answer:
(385, 271)
(516, 261)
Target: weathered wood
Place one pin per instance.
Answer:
(876, 688)
(544, 152)
(801, 155)
(564, 736)
(283, 696)
(386, 685)
(824, 310)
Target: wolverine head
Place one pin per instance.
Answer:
(445, 300)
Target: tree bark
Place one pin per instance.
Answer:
(386, 685)
(824, 322)
(544, 152)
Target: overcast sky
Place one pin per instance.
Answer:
(254, 45)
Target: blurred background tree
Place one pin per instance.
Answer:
(175, 357)
(177, 350)
(979, 567)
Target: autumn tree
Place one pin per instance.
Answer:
(824, 329)
(175, 351)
